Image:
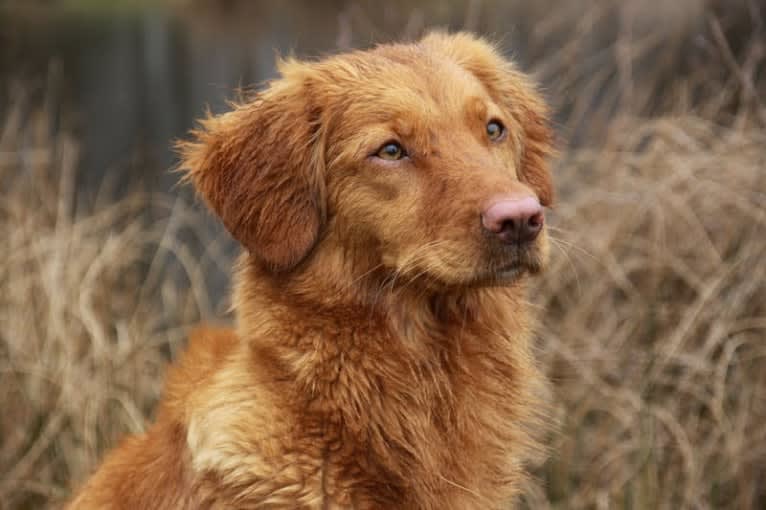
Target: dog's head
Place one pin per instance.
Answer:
(427, 158)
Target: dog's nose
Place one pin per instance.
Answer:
(514, 219)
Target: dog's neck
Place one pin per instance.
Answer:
(383, 366)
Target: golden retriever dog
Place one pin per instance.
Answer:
(390, 204)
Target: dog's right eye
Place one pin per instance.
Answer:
(495, 130)
(391, 151)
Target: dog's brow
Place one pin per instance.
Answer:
(476, 108)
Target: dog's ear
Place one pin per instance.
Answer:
(260, 167)
(513, 90)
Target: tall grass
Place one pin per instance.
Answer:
(93, 302)
(652, 315)
(653, 323)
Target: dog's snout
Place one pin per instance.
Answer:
(514, 220)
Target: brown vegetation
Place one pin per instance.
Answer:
(88, 314)
(655, 320)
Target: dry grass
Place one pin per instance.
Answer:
(654, 322)
(93, 303)
(653, 314)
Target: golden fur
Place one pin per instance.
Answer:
(381, 357)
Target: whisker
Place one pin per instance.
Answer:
(557, 243)
(366, 273)
(455, 484)
(573, 246)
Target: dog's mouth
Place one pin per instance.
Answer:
(514, 270)
(509, 271)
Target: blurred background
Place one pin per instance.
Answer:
(652, 316)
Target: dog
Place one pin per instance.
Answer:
(390, 205)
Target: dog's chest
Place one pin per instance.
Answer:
(365, 431)
(414, 443)
(353, 475)
(317, 473)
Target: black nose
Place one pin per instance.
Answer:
(514, 220)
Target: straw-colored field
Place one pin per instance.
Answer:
(652, 315)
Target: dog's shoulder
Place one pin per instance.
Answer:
(208, 348)
(151, 470)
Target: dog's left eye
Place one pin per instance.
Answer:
(391, 151)
(495, 130)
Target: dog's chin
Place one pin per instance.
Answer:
(509, 272)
